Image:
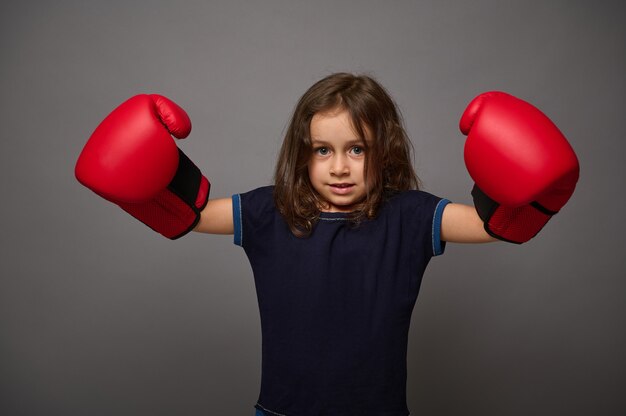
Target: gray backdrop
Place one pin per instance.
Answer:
(101, 316)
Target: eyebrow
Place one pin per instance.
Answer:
(351, 142)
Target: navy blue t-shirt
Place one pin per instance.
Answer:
(335, 307)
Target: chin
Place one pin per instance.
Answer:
(345, 206)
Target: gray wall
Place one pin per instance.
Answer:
(101, 316)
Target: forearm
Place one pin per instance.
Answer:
(461, 224)
(216, 217)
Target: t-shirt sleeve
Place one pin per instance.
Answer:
(238, 232)
(438, 244)
(423, 213)
(251, 211)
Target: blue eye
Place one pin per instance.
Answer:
(322, 151)
(357, 150)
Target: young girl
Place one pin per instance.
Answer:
(338, 246)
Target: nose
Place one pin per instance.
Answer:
(339, 166)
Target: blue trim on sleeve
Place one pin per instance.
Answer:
(438, 245)
(238, 231)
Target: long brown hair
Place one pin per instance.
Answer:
(388, 167)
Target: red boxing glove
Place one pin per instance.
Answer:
(132, 161)
(523, 167)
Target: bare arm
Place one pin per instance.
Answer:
(216, 217)
(461, 224)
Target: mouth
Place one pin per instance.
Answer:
(341, 188)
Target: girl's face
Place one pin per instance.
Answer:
(337, 164)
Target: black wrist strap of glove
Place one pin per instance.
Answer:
(511, 224)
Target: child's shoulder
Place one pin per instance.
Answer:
(412, 204)
(412, 197)
(259, 200)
